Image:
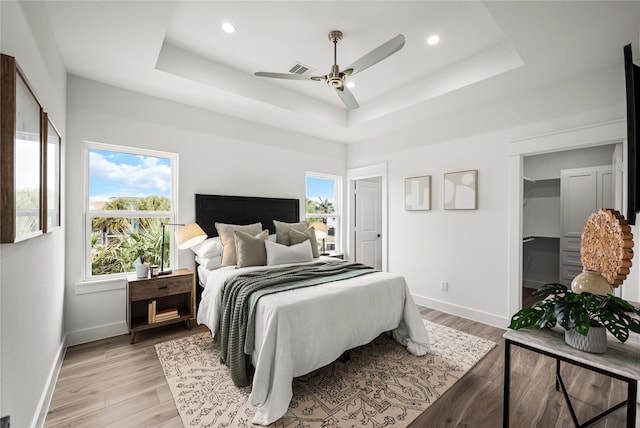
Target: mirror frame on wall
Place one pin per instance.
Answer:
(19, 106)
(51, 183)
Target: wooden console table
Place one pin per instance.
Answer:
(621, 361)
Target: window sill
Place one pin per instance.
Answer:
(104, 284)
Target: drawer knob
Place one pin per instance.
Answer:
(163, 287)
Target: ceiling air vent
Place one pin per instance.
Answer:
(299, 68)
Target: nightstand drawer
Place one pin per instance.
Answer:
(160, 287)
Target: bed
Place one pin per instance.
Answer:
(301, 330)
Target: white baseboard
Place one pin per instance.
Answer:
(96, 333)
(47, 393)
(461, 311)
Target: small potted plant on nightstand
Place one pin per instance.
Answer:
(585, 317)
(139, 253)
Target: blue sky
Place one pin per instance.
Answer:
(320, 187)
(114, 174)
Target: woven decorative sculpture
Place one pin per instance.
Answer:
(607, 245)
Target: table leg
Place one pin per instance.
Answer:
(557, 374)
(507, 380)
(632, 397)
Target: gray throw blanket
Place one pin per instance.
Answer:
(242, 292)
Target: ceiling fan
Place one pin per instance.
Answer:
(336, 78)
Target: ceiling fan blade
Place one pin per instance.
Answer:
(378, 54)
(347, 98)
(290, 76)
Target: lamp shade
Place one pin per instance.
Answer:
(189, 235)
(320, 229)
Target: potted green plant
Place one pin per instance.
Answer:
(582, 315)
(139, 253)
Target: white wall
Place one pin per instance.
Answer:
(549, 165)
(218, 154)
(32, 272)
(471, 249)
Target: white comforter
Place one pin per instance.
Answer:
(301, 330)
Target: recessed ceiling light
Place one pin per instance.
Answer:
(228, 27)
(351, 84)
(433, 40)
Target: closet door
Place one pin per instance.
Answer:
(578, 199)
(583, 191)
(605, 187)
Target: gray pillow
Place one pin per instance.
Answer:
(250, 249)
(296, 237)
(225, 231)
(282, 230)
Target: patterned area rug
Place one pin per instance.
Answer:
(381, 385)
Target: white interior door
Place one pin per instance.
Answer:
(368, 222)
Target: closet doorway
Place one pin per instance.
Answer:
(560, 190)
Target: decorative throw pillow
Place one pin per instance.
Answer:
(282, 230)
(229, 240)
(278, 254)
(296, 237)
(208, 248)
(250, 250)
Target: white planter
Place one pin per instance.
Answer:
(142, 270)
(595, 341)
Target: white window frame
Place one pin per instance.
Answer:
(337, 193)
(89, 214)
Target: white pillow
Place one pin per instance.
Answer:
(278, 254)
(208, 248)
(210, 263)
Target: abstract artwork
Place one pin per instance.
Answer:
(417, 193)
(461, 190)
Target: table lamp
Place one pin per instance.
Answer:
(186, 237)
(321, 233)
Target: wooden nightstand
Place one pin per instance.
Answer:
(176, 290)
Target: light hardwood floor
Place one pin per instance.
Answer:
(110, 383)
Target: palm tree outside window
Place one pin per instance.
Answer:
(323, 197)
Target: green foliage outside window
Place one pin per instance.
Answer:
(118, 242)
(322, 206)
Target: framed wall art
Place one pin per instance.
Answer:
(461, 190)
(51, 176)
(417, 193)
(21, 148)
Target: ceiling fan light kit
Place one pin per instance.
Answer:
(336, 78)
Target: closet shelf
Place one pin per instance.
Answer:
(534, 237)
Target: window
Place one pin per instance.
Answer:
(130, 192)
(323, 204)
